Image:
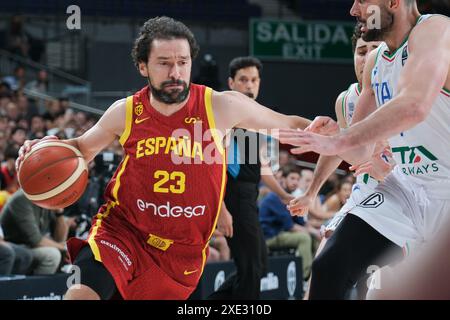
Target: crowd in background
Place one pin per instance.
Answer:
(26, 229)
(24, 118)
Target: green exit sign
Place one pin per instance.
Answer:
(309, 41)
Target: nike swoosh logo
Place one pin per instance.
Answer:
(137, 121)
(186, 273)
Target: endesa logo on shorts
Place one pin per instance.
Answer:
(167, 210)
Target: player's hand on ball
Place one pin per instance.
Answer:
(26, 147)
(300, 205)
(307, 141)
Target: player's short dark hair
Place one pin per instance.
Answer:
(357, 34)
(164, 28)
(287, 170)
(243, 62)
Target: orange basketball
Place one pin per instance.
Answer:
(53, 174)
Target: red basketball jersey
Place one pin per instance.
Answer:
(170, 183)
(163, 201)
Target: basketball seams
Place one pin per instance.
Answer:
(47, 143)
(49, 166)
(63, 186)
(78, 172)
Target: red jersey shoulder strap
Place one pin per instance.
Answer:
(211, 119)
(128, 120)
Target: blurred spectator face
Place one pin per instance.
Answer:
(23, 123)
(292, 181)
(54, 107)
(11, 125)
(19, 136)
(60, 121)
(246, 81)
(37, 124)
(22, 103)
(80, 119)
(12, 111)
(4, 100)
(4, 88)
(42, 76)
(19, 72)
(3, 124)
(345, 191)
(306, 179)
(63, 103)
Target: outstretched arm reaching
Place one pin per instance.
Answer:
(419, 85)
(326, 165)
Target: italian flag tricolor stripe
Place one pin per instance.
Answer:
(387, 58)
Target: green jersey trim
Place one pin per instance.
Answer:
(391, 55)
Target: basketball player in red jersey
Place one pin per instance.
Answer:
(150, 239)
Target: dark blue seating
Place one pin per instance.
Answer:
(198, 10)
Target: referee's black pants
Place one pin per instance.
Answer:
(247, 246)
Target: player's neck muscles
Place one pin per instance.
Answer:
(400, 32)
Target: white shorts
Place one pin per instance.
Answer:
(402, 211)
(360, 191)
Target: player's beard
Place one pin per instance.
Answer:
(387, 22)
(173, 95)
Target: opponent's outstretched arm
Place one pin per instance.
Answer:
(311, 141)
(326, 165)
(419, 85)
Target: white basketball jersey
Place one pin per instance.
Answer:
(349, 102)
(422, 153)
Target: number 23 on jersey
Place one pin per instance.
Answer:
(169, 182)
